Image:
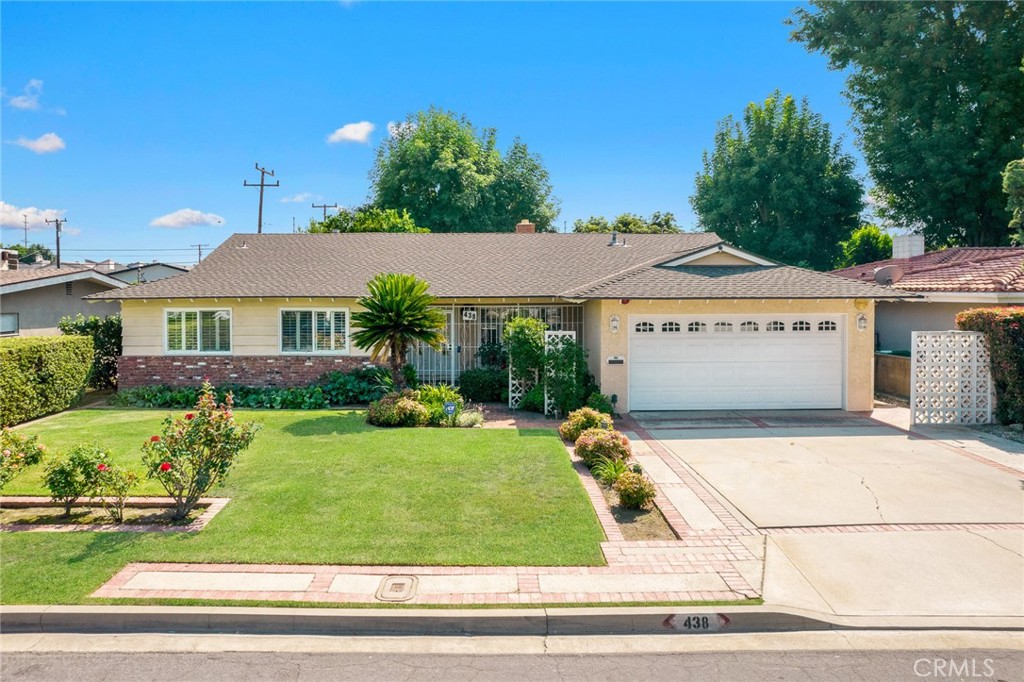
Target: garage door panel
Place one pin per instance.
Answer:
(715, 370)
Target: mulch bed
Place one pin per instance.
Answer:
(49, 515)
(637, 524)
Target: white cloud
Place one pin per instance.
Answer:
(300, 198)
(11, 216)
(44, 144)
(29, 98)
(186, 217)
(352, 132)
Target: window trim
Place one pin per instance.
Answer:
(314, 310)
(231, 330)
(17, 326)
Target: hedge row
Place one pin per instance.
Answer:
(1004, 328)
(42, 374)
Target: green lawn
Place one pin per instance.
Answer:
(322, 487)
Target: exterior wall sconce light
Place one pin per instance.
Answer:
(862, 322)
(613, 324)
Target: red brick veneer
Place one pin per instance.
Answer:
(247, 370)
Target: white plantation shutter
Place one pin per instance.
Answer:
(174, 331)
(314, 331)
(340, 330)
(203, 331)
(191, 330)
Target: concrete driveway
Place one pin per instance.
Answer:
(857, 517)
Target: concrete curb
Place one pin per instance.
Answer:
(479, 622)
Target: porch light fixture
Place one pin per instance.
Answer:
(862, 322)
(613, 324)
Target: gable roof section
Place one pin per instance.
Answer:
(486, 265)
(964, 269)
(22, 279)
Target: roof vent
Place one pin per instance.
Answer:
(888, 274)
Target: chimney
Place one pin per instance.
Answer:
(525, 227)
(907, 245)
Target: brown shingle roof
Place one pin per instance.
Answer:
(965, 269)
(27, 273)
(484, 265)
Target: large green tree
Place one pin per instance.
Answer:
(366, 219)
(27, 253)
(629, 223)
(778, 184)
(451, 177)
(937, 98)
(866, 245)
(1013, 186)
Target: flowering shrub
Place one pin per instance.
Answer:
(635, 491)
(433, 397)
(582, 419)
(17, 452)
(593, 445)
(1004, 330)
(75, 474)
(196, 451)
(398, 409)
(113, 485)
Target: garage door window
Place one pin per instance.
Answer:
(644, 328)
(827, 326)
(670, 327)
(723, 326)
(801, 326)
(748, 327)
(696, 327)
(775, 326)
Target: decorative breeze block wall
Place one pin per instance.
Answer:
(950, 379)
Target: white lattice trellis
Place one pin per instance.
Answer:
(950, 380)
(549, 338)
(517, 388)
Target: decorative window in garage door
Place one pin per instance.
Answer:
(723, 326)
(670, 327)
(644, 328)
(801, 326)
(696, 327)
(826, 326)
(950, 380)
(749, 326)
(775, 326)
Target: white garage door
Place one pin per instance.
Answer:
(710, 362)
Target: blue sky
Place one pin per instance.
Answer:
(157, 108)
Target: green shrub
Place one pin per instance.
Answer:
(483, 385)
(566, 377)
(398, 409)
(297, 398)
(17, 453)
(582, 419)
(1004, 330)
(533, 401)
(608, 471)
(593, 445)
(196, 451)
(113, 486)
(470, 419)
(358, 387)
(635, 491)
(434, 397)
(75, 474)
(524, 341)
(492, 356)
(106, 340)
(601, 403)
(42, 374)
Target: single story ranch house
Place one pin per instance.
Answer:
(671, 322)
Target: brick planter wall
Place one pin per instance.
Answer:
(251, 370)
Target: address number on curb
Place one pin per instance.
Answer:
(710, 622)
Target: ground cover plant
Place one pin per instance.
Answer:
(325, 487)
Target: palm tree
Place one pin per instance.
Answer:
(395, 315)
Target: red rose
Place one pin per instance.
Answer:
(154, 439)
(101, 467)
(165, 466)
(189, 416)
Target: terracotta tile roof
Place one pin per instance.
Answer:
(965, 269)
(482, 265)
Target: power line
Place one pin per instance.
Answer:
(325, 207)
(200, 247)
(263, 183)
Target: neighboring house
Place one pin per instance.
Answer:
(34, 299)
(948, 281)
(140, 273)
(679, 321)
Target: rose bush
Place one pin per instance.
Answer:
(17, 452)
(594, 445)
(75, 474)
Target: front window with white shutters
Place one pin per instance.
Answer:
(197, 331)
(314, 331)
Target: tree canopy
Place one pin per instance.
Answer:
(937, 95)
(366, 219)
(451, 177)
(777, 184)
(657, 223)
(26, 253)
(866, 245)
(1013, 186)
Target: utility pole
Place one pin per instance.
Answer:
(24, 219)
(325, 207)
(263, 183)
(58, 222)
(200, 247)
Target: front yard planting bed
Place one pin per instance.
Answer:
(325, 488)
(53, 515)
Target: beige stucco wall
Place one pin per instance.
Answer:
(897, 319)
(615, 378)
(39, 310)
